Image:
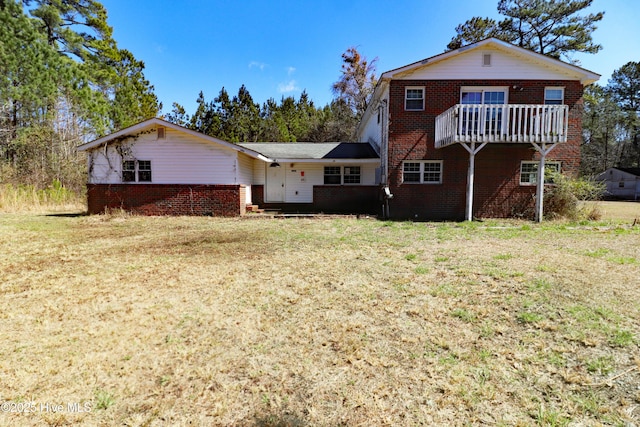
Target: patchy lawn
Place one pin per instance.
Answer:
(325, 322)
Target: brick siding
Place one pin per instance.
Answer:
(167, 199)
(344, 199)
(497, 190)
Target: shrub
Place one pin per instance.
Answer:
(562, 199)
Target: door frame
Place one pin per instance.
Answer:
(275, 184)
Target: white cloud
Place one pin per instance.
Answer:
(287, 87)
(291, 70)
(256, 64)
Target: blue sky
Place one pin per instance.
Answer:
(280, 48)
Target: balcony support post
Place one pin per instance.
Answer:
(473, 150)
(543, 150)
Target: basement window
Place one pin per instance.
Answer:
(136, 171)
(422, 172)
(529, 172)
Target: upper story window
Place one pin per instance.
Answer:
(554, 95)
(422, 172)
(136, 171)
(414, 99)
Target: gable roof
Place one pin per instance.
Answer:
(585, 76)
(314, 151)
(632, 171)
(132, 130)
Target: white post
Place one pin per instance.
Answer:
(543, 150)
(540, 187)
(470, 176)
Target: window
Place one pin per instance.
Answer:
(136, 171)
(144, 170)
(554, 95)
(529, 172)
(486, 60)
(472, 120)
(129, 171)
(337, 175)
(161, 132)
(422, 172)
(352, 174)
(414, 99)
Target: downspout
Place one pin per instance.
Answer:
(384, 160)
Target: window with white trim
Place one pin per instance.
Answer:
(414, 99)
(554, 95)
(422, 172)
(529, 172)
(337, 175)
(351, 175)
(136, 171)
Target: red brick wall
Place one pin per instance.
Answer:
(167, 199)
(347, 198)
(344, 199)
(497, 189)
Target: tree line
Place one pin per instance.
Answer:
(64, 80)
(240, 119)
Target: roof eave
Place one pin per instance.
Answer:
(323, 160)
(585, 76)
(160, 122)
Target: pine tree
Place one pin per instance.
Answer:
(549, 27)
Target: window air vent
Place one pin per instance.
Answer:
(486, 60)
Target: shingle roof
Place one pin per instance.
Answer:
(312, 150)
(632, 171)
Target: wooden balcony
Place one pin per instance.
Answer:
(513, 123)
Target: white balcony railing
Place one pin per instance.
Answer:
(511, 123)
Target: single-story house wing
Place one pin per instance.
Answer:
(157, 168)
(621, 183)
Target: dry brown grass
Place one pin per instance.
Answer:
(29, 199)
(200, 321)
(619, 211)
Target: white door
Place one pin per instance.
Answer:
(274, 192)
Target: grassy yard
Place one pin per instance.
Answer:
(319, 322)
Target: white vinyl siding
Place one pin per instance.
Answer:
(469, 66)
(370, 130)
(302, 177)
(178, 159)
(245, 169)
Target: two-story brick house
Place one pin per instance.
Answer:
(455, 136)
(463, 134)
